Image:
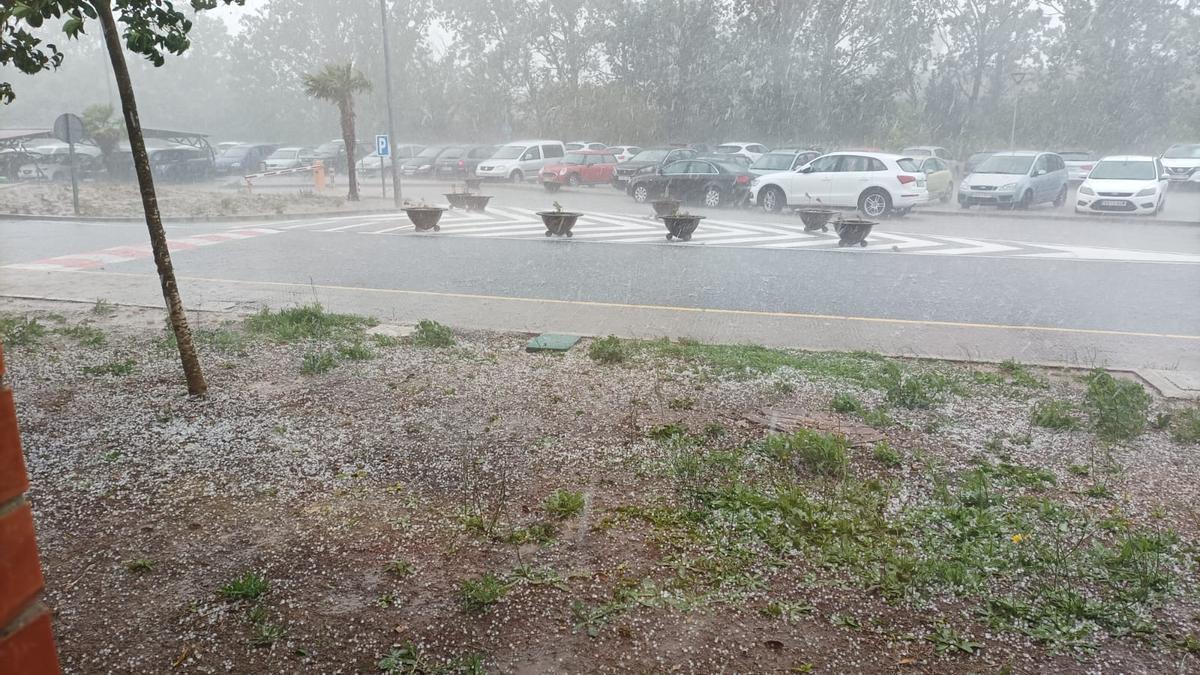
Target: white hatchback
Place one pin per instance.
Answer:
(875, 183)
(1124, 184)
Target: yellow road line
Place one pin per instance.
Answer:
(669, 308)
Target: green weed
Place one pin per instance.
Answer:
(23, 332)
(316, 363)
(140, 566)
(823, 454)
(1186, 427)
(563, 504)
(608, 350)
(876, 417)
(118, 368)
(249, 586)
(886, 454)
(480, 593)
(430, 333)
(103, 308)
(1055, 415)
(355, 351)
(845, 403)
(308, 322)
(1020, 374)
(1118, 408)
(681, 404)
(84, 334)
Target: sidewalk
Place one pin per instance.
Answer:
(1065, 347)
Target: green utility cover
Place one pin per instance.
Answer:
(551, 342)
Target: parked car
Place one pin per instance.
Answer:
(243, 159)
(460, 161)
(1079, 163)
(225, 145)
(919, 152)
(647, 162)
(11, 161)
(580, 167)
(289, 158)
(751, 151)
(371, 163)
(975, 160)
(585, 145)
(939, 179)
(874, 182)
(786, 159)
(624, 152)
(1182, 162)
(424, 162)
(180, 164)
(715, 182)
(53, 162)
(519, 160)
(333, 154)
(1016, 180)
(1124, 184)
(740, 160)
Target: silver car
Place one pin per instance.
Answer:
(1015, 180)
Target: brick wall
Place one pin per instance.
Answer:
(26, 641)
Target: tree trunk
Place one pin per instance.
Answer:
(346, 110)
(158, 238)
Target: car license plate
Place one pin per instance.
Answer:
(1112, 202)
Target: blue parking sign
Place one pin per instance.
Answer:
(381, 145)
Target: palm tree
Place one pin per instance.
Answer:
(338, 83)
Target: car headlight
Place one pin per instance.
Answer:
(1147, 192)
(1085, 190)
(1007, 188)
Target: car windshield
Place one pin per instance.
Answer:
(1076, 156)
(452, 153)
(430, 152)
(907, 164)
(920, 152)
(574, 158)
(236, 152)
(728, 149)
(329, 148)
(509, 152)
(285, 153)
(775, 160)
(1010, 164)
(729, 166)
(1183, 152)
(650, 156)
(1132, 170)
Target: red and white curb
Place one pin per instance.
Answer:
(120, 254)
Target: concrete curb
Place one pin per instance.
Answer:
(197, 219)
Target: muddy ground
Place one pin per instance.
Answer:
(343, 502)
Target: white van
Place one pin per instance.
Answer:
(520, 160)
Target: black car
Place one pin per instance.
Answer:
(333, 154)
(714, 182)
(423, 164)
(459, 161)
(648, 161)
(244, 159)
(183, 164)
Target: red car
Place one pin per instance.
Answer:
(580, 167)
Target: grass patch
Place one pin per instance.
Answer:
(1186, 427)
(249, 586)
(1055, 415)
(886, 455)
(994, 537)
(103, 308)
(608, 350)
(21, 332)
(316, 363)
(308, 322)
(429, 333)
(408, 659)
(563, 504)
(1117, 408)
(822, 454)
(681, 404)
(84, 334)
(877, 418)
(912, 390)
(355, 351)
(480, 593)
(845, 403)
(140, 566)
(117, 368)
(1020, 375)
(745, 361)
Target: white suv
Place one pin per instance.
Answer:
(875, 183)
(751, 151)
(519, 160)
(1182, 162)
